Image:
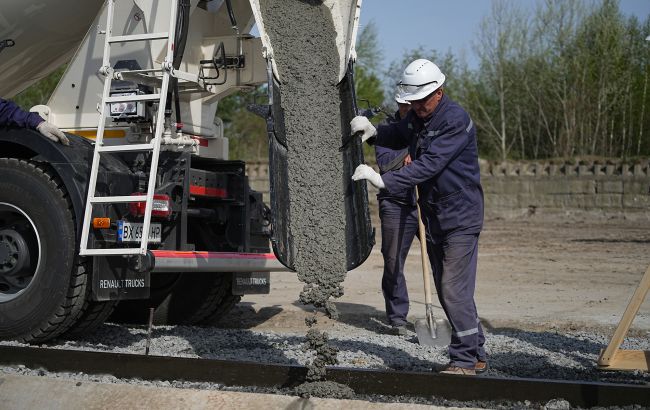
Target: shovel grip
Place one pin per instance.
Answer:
(426, 275)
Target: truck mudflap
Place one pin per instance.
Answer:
(359, 234)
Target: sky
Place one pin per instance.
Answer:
(406, 24)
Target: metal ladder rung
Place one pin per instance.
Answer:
(117, 199)
(129, 98)
(112, 251)
(143, 71)
(138, 37)
(154, 146)
(125, 148)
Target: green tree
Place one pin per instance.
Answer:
(248, 140)
(501, 42)
(367, 79)
(39, 93)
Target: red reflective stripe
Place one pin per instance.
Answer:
(202, 141)
(206, 191)
(211, 255)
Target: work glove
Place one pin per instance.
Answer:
(51, 132)
(361, 124)
(363, 171)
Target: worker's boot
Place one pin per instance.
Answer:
(481, 366)
(399, 329)
(461, 371)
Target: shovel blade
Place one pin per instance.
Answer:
(441, 336)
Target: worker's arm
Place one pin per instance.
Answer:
(12, 115)
(394, 135)
(453, 139)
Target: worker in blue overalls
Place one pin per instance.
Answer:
(442, 141)
(13, 115)
(399, 225)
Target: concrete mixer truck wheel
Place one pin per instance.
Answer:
(42, 285)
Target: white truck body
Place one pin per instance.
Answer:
(48, 33)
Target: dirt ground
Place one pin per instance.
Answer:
(534, 273)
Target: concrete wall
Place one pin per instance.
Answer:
(519, 188)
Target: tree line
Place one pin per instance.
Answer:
(564, 79)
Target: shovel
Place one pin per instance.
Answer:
(430, 331)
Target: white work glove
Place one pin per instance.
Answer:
(361, 124)
(363, 171)
(51, 132)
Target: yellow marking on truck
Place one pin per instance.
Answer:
(92, 134)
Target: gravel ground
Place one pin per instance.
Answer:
(513, 353)
(550, 293)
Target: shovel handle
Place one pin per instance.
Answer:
(423, 251)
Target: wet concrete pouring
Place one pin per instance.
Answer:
(306, 55)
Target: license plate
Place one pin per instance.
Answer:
(132, 232)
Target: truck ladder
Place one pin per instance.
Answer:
(153, 146)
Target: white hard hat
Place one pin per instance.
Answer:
(420, 78)
(400, 100)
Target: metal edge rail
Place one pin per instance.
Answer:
(362, 381)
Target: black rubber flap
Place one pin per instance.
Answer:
(281, 240)
(359, 234)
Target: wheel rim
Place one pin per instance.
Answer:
(20, 252)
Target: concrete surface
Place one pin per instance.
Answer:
(30, 392)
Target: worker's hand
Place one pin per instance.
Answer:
(52, 132)
(363, 171)
(407, 159)
(361, 124)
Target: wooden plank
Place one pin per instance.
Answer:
(629, 360)
(608, 356)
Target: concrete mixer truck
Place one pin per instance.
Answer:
(144, 209)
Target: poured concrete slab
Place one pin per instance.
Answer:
(30, 392)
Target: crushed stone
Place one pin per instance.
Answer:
(548, 354)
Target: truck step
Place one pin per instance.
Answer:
(116, 199)
(138, 37)
(125, 148)
(112, 251)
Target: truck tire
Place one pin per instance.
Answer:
(92, 314)
(42, 285)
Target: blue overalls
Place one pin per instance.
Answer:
(445, 169)
(13, 115)
(399, 225)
